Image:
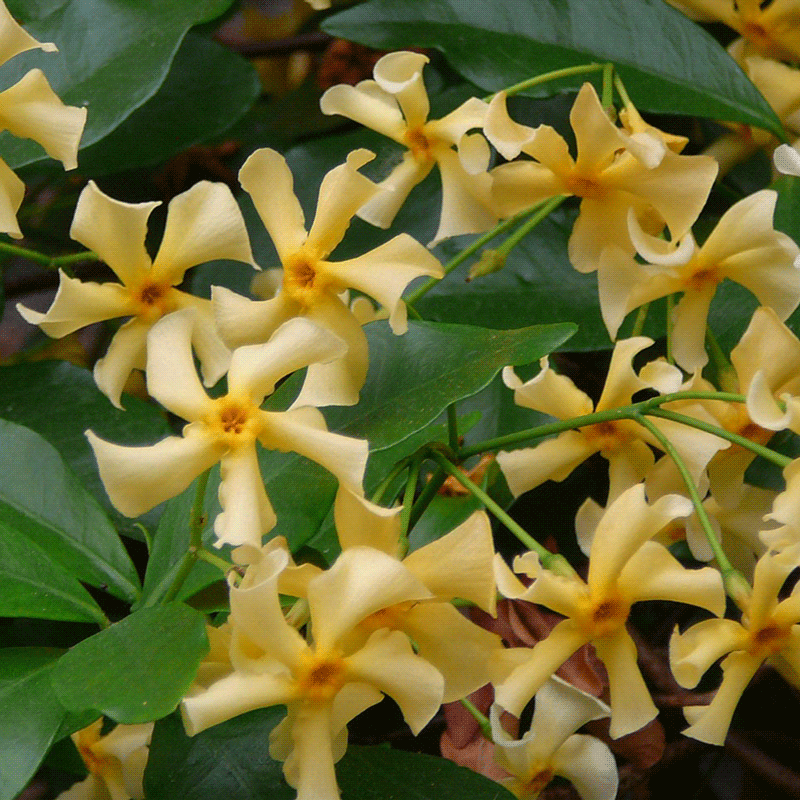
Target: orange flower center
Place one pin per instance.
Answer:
(154, 300)
(701, 276)
(234, 420)
(768, 640)
(321, 677)
(737, 420)
(604, 615)
(536, 783)
(419, 143)
(587, 186)
(302, 279)
(607, 436)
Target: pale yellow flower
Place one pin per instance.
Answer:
(769, 631)
(785, 540)
(396, 105)
(312, 284)
(323, 684)
(624, 443)
(203, 224)
(31, 109)
(744, 247)
(116, 762)
(552, 747)
(624, 568)
(614, 171)
(227, 428)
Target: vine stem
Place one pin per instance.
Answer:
(545, 77)
(483, 722)
(51, 262)
(408, 501)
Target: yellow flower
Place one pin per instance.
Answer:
(226, 429)
(624, 443)
(323, 684)
(624, 568)
(203, 224)
(744, 247)
(614, 171)
(769, 631)
(32, 110)
(396, 105)
(312, 284)
(551, 747)
(115, 762)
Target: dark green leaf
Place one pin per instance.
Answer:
(42, 499)
(32, 717)
(113, 56)
(36, 586)
(207, 89)
(668, 63)
(138, 669)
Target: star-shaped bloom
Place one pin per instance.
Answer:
(115, 762)
(625, 567)
(203, 224)
(551, 747)
(744, 247)
(323, 684)
(769, 631)
(614, 171)
(226, 429)
(31, 109)
(311, 283)
(396, 105)
(624, 443)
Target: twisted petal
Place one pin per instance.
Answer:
(508, 137)
(12, 191)
(126, 351)
(400, 75)
(203, 224)
(595, 135)
(588, 764)
(246, 511)
(115, 231)
(266, 177)
(243, 321)
(627, 465)
(692, 653)
(459, 564)
(367, 104)
(388, 663)
(631, 705)
(303, 431)
(545, 658)
(14, 39)
(32, 110)
(78, 304)
(255, 369)
(381, 209)
(622, 382)
(549, 393)
(384, 273)
(453, 126)
(521, 184)
(362, 581)
(787, 160)
(139, 478)
(361, 523)
(213, 355)
(342, 192)
(563, 595)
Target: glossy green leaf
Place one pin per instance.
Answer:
(60, 401)
(208, 88)
(32, 718)
(138, 669)
(668, 63)
(42, 498)
(36, 586)
(414, 377)
(113, 56)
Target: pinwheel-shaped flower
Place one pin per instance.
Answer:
(227, 428)
(769, 631)
(613, 172)
(312, 284)
(551, 747)
(625, 443)
(624, 568)
(396, 105)
(323, 684)
(744, 247)
(31, 109)
(203, 224)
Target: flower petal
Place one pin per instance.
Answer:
(595, 135)
(588, 764)
(14, 39)
(453, 127)
(692, 652)
(622, 382)
(381, 209)
(12, 191)
(508, 137)
(243, 321)
(268, 180)
(360, 523)
(213, 355)
(367, 104)
(400, 74)
(115, 231)
(139, 478)
(549, 392)
(126, 351)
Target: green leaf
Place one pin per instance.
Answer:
(208, 88)
(414, 377)
(60, 401)
(32, 717)
(42, 499)
(667, 62)
(138, 669)
(113, 56)
(35, 586)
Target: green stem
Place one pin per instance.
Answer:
(51, 262)
(220, 563)
(426, 495)
(452, 428)
(545, 77)
(727, 377)
(520, 233)
(383, 486)
(483, 722)
(759, 449)
(623, 92)
(670, 316)
(408, 501)
(638, 323)
(608, 88)
(551, 561)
